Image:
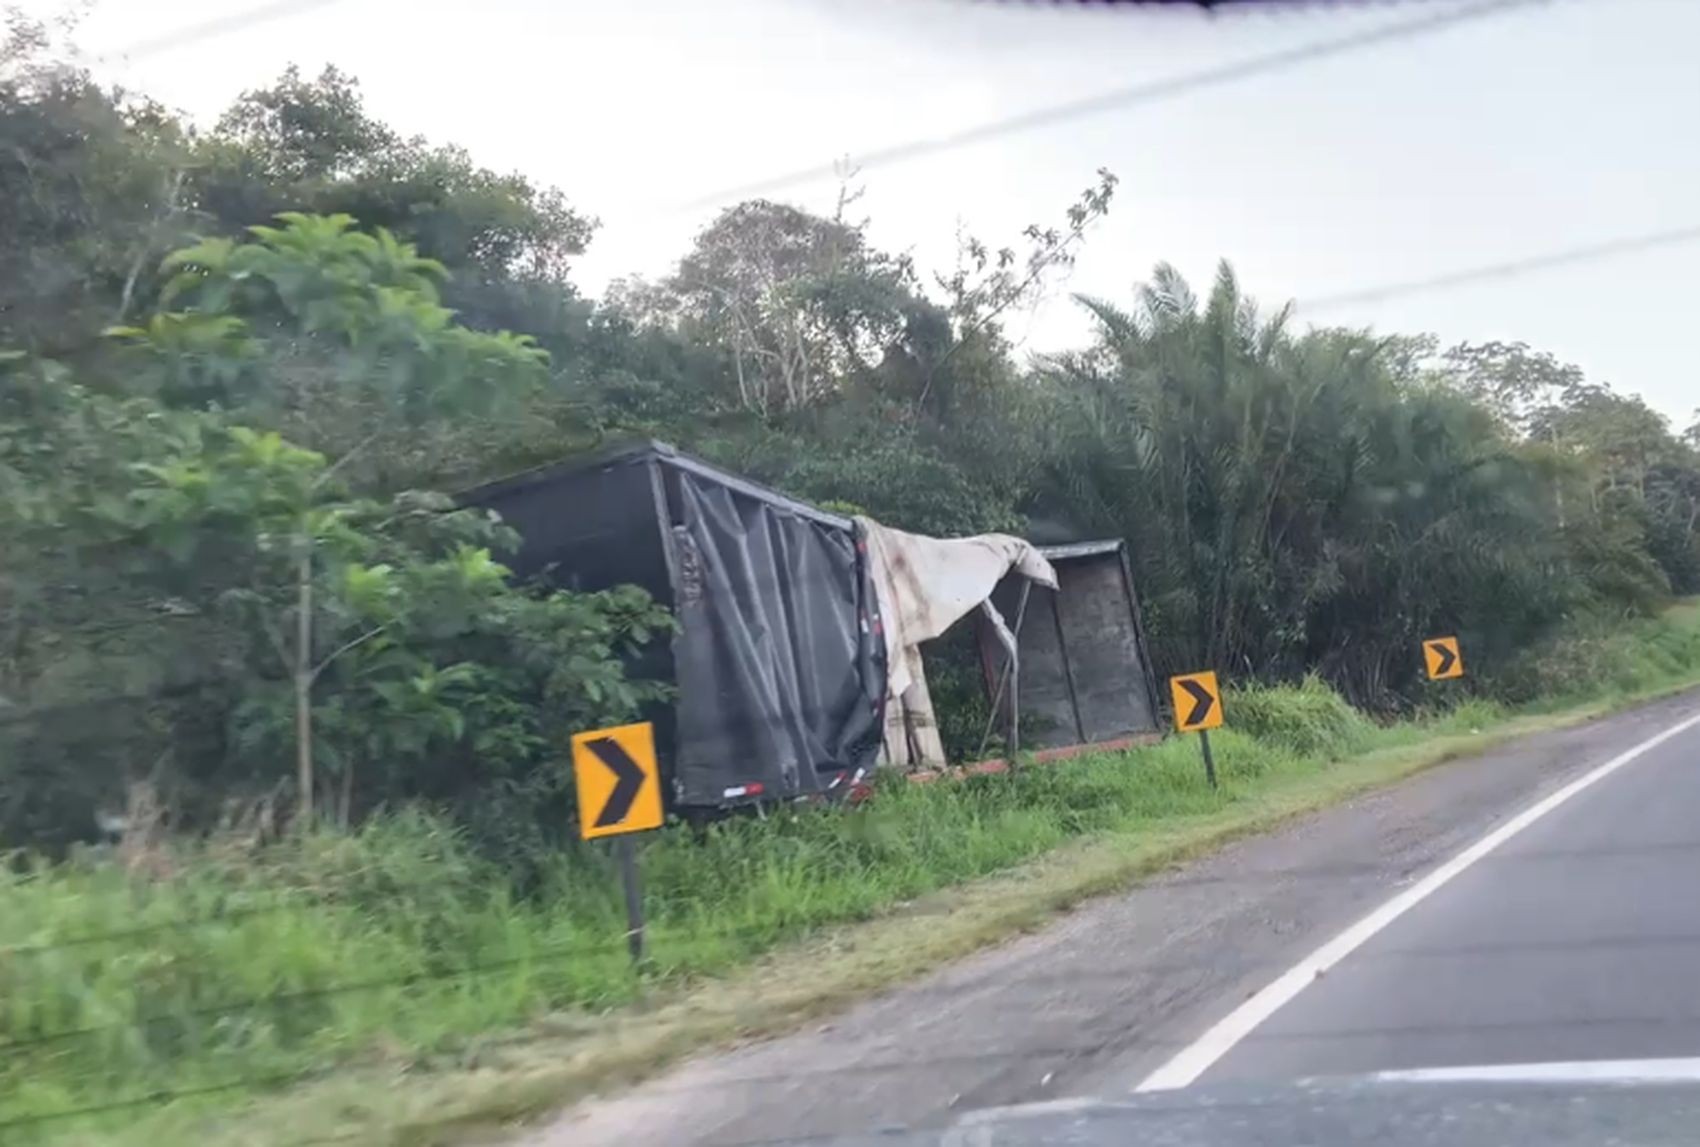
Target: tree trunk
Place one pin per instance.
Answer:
(345, 804)
(140, 261)
(304, 682)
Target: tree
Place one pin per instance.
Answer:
(160, 625)
(310, 146)
(797, 302)
(1295, 500)
(1620, 435)
(1518, 384)
(98, 653)
(224, 512)
(331, 335)
(362, 620)
(91, 191)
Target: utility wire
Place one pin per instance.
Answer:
(1150, 92)
(153, 1098)
(273, 1080)
(1062, 1051)
(217, 26)
(545, 956)
(1513, 268)
(285, 902)
(1573, 256)
(233, 915)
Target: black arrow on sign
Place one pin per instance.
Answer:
(628, 780)
(1447, 657)
(1201, 701)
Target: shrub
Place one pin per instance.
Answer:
(1309, 718)
(1601, 654)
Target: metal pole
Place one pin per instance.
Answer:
(1009, 663)
(626, 853)
(1014, 714)
(1015, 677)
(1209, 761)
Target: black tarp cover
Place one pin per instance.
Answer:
(780, 675)
(779, 663)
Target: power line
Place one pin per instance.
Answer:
(1570, 256)
(282, 1078)
(288, 901)
(545, 956)
(1149, 92)
(153, 1098)
(217, 26)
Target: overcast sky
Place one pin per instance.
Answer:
(1539, 128)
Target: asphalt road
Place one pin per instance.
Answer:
(1578, 939)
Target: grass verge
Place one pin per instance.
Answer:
(762, 927)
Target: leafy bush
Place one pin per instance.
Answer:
(265, 624)
(232, 959)
(1309, 718)
(1606, 655)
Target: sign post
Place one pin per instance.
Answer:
(626, 853)
(619, 793)
(1442, 659)
(1198, 709)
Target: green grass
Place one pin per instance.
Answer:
(394, 945)
(1606, 658)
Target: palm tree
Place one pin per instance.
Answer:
(1293, 500)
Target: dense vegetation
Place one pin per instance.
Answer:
(233, 963)
(241, 367)
(241, 363)
(302, 953)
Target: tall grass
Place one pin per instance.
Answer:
(397, 938)
(1603, 657)
(1309, 718)
(229, 961)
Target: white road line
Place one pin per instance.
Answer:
(1195, 1059)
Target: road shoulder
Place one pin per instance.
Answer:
(1093, 1002)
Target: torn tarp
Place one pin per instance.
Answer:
(924, 586)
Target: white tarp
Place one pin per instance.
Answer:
(925, 585)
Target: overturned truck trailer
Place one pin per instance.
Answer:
(796, 663)
(778, 662)
(1083, 678)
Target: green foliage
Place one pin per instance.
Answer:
(905, 484)
(351, 319)
(796, 302)
(956, 684)
(372, 638)
(400, 936)
(90, 191)
(1603, 655)
(332, 335)
(236, 364)
(310, 145)
(1314, 502)
(1309, 718)
(235, 958)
